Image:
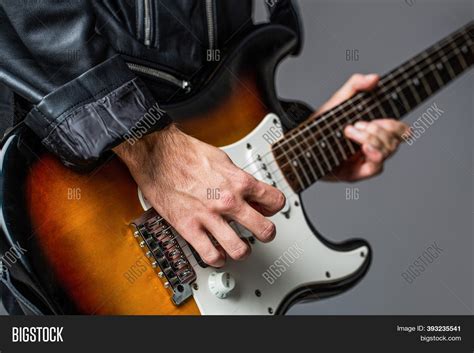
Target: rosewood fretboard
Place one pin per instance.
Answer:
(316, 147)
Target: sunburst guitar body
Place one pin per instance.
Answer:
(92, 250)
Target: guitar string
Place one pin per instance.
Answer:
(316, 154)
(371, 99)
(326, 116)
(420, 70)
(443, 58)
(412, 66)
(351, 120)
(352, 101)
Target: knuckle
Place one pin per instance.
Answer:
(245, 182)
(374, 129)
(356, 77)
(260, 191)
(227, 201)
(393, 124)
(240, 252)
(393, 145)
(211, 257)
(192, 223)
(374, 141)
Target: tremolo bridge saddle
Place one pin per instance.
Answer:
(164, 248)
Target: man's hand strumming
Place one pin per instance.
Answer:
(175, 171)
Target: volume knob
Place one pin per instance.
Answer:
(221, 284)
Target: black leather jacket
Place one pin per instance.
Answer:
(75, 64)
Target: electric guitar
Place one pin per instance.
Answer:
(93, 249)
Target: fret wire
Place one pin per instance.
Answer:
(305, 162)
(326, 160)
(420, 73)
(296, 163)
(468, 43)
(375, 107)
(339, 146)
(315, 144)
(401, 94)
(336, 153)
(324, 155)
(331, 151)
(459, 56)
(313, 157)
(348, 142)
(379, 104)
(425, 83)
(394, 107)
(452, 74)
(324, 146)
(399, 89)
(293, 168)
(370, 115)
(433, 69)
(416, 66)
(341, 130)
(413, 91)
(467, 37)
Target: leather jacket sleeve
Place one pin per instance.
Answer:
(85, 99)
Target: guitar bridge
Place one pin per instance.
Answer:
(164, 248)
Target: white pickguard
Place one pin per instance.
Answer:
(313, 265)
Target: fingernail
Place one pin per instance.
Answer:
(353, 131)
(361, 125)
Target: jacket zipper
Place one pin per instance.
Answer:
(210, 22)
(147, 22)
(185, 85)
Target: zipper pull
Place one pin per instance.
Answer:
(186, 86)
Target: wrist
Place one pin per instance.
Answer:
(134, 152)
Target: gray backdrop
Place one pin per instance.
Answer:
(425, 193)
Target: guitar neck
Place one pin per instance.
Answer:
(318, 146)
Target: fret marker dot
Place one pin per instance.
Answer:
(338, 134)
(323, 145)
(464, 49)
(359, 108)
(295, 163)
(439, 66)
(394, 95)
(308, 154)
(416, 82)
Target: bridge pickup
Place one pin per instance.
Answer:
(164, 248)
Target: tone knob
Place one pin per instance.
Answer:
(221, 284)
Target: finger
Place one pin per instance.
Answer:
(372, 147)
(227, 238)
(364, 138)
(207, 251)
(397, 127)
(268, 199)
(373, 154)
(356, 83)
(261, 227)
(367, 169)
(388, 137)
